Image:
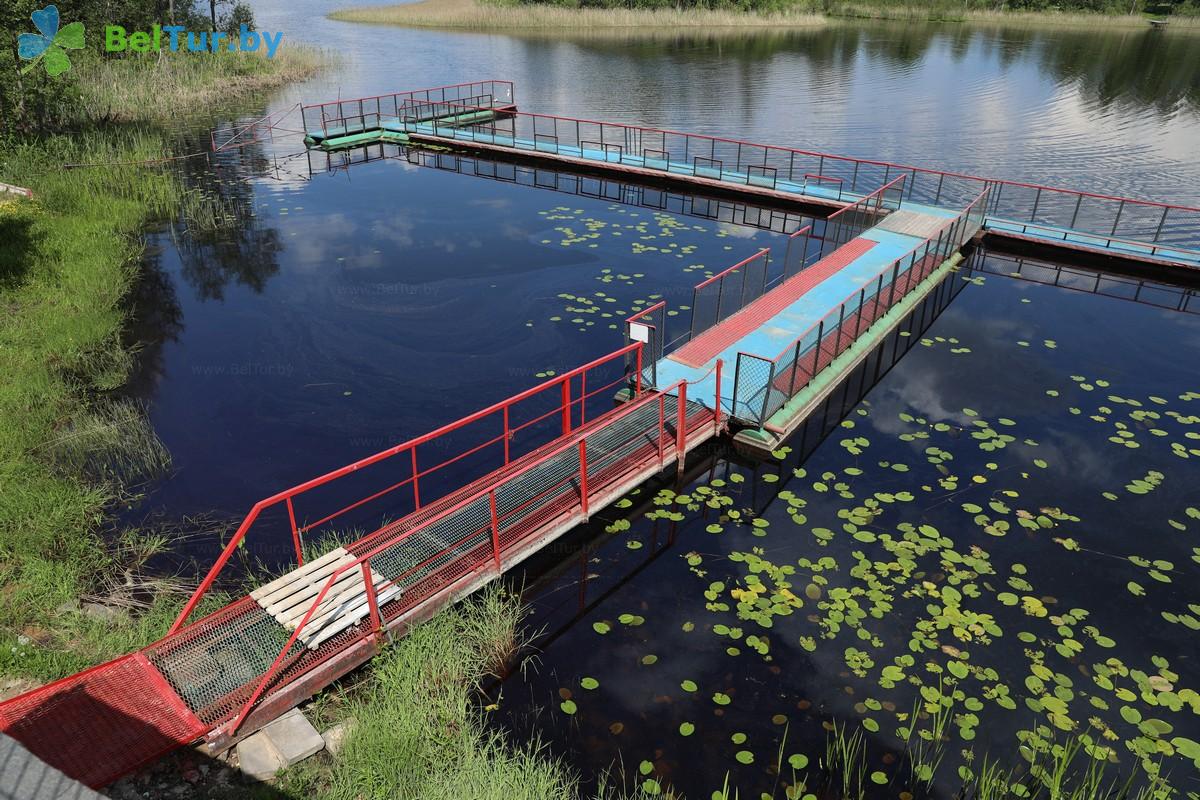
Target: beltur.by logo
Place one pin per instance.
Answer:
(177, 37)
(50, 45)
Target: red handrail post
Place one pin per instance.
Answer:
(583, 477)
(216, 568)
(295, 533)
(416, 478)
(372, 600)
(637, 384)
(681, 428)
(507, 436)
(495, 529)
(566, 406)
(270, 673)
(662, 429)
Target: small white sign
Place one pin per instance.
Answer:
(639, 333)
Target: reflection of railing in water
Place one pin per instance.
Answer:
(612, 190)
(769, 166)
(1159, 295)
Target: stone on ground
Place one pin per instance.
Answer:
(335, 737)
(293, 737)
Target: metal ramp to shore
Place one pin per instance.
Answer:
(561, 453)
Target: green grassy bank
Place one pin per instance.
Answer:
(418, 730)
(68, 260)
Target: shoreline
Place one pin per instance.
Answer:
(474, 15)
(480, 16)
(70, 450)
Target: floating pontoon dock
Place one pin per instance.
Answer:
(767, 339)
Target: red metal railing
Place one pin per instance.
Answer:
(718, 297)
(722, 295)
(848, 222)
(762, 385)
(493, 436)
(769, 166)
(488, 542)
(1118, 243)
(339, 117)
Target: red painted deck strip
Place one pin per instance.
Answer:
(708, 345)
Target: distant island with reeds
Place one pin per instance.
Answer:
(655, 16)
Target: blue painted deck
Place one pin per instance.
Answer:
(814, 190)
(782, 330)
(1052, 234)
(817, 190)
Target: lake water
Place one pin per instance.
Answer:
(1005, 527)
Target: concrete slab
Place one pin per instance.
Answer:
(293, 737)
(258, 758)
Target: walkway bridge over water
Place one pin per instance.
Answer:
(767, 339)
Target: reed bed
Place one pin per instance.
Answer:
(164, 86)
(534, 17)
(474, 15)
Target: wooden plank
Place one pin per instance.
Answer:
(913, 223)
(290, 577)
(350, 616)
(305, 593)
(289, 598)
(330, 606)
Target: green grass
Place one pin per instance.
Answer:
(162, 86)
(69, 257)
(68, 260)
(418, 731)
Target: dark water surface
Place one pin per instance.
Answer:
(323, 314)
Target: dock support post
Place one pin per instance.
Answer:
(583, 487)
(662, 429)
(1161, 222)
(837, 340)
(507, 436)
(372, 600)
(817, 351)
(416, 480)
(1117, 220)
(862, 299)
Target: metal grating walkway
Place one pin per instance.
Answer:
(118, 714)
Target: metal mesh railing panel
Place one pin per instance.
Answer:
(208, 661)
